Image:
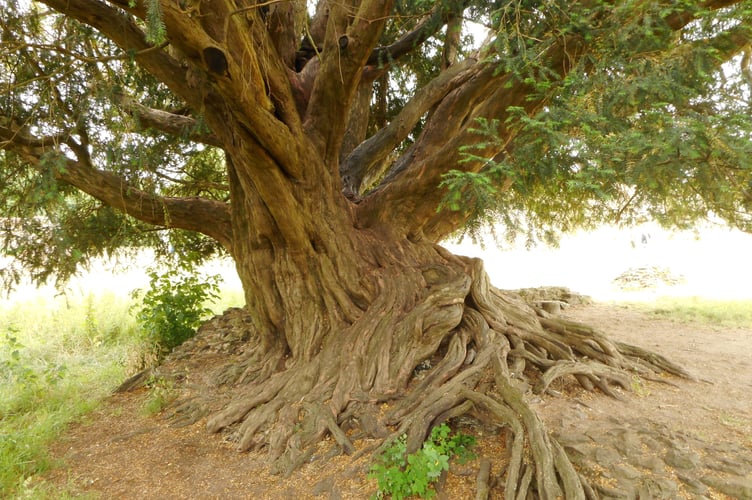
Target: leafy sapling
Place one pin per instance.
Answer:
(173, 307)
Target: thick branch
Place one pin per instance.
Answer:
(366, 162)
(381, 58)
(209, 217)
(170, 123)
(489, 99)
(283, 20)
(422, 32)
(241, 77)
(260, 43)
(123, 31)
(247, 90)
(452, 42)
(409, 194)
(342, 61)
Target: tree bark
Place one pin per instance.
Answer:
(363, 334)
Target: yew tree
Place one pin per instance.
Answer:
(328, 147)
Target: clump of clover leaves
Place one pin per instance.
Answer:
(401, 475)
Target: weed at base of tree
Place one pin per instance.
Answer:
(161, 393)
(400, 475)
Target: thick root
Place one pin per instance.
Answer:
(438, 343)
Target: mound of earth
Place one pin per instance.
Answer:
(670, 438)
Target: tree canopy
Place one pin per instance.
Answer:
(549, 115)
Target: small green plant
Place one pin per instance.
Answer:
(401, 475)
(161, 393)
(638, 386)
(173, 307)
(12, 366)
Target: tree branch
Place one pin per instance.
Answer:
(414, 39)
(366, 163)
(9, 136)
(409, 196)
(209, 217)
(384, 56)
(680, 19)
(729, 43)
(346, 50)
(242, 79)
(170, 123)
(124, 32)
(284, 20)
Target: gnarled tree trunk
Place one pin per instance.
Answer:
(355, 319)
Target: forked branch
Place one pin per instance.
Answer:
(428, 27)
(347, 46)
(366, 163)
(124, 32)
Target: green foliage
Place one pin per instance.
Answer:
(400, 475)
(650, 125)
(156, 32)
(49, 228)
(19, 370)
(174, 306)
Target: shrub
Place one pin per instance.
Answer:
(400, 476)
(173, 307)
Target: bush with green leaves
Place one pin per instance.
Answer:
(174, 306)
(401, 475)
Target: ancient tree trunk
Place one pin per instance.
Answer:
(355, 324)
(356, 321)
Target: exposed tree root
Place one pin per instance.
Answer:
(482, 483)
(437, 343)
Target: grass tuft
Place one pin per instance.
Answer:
(161, 393)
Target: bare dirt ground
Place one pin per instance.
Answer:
(680, 439)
